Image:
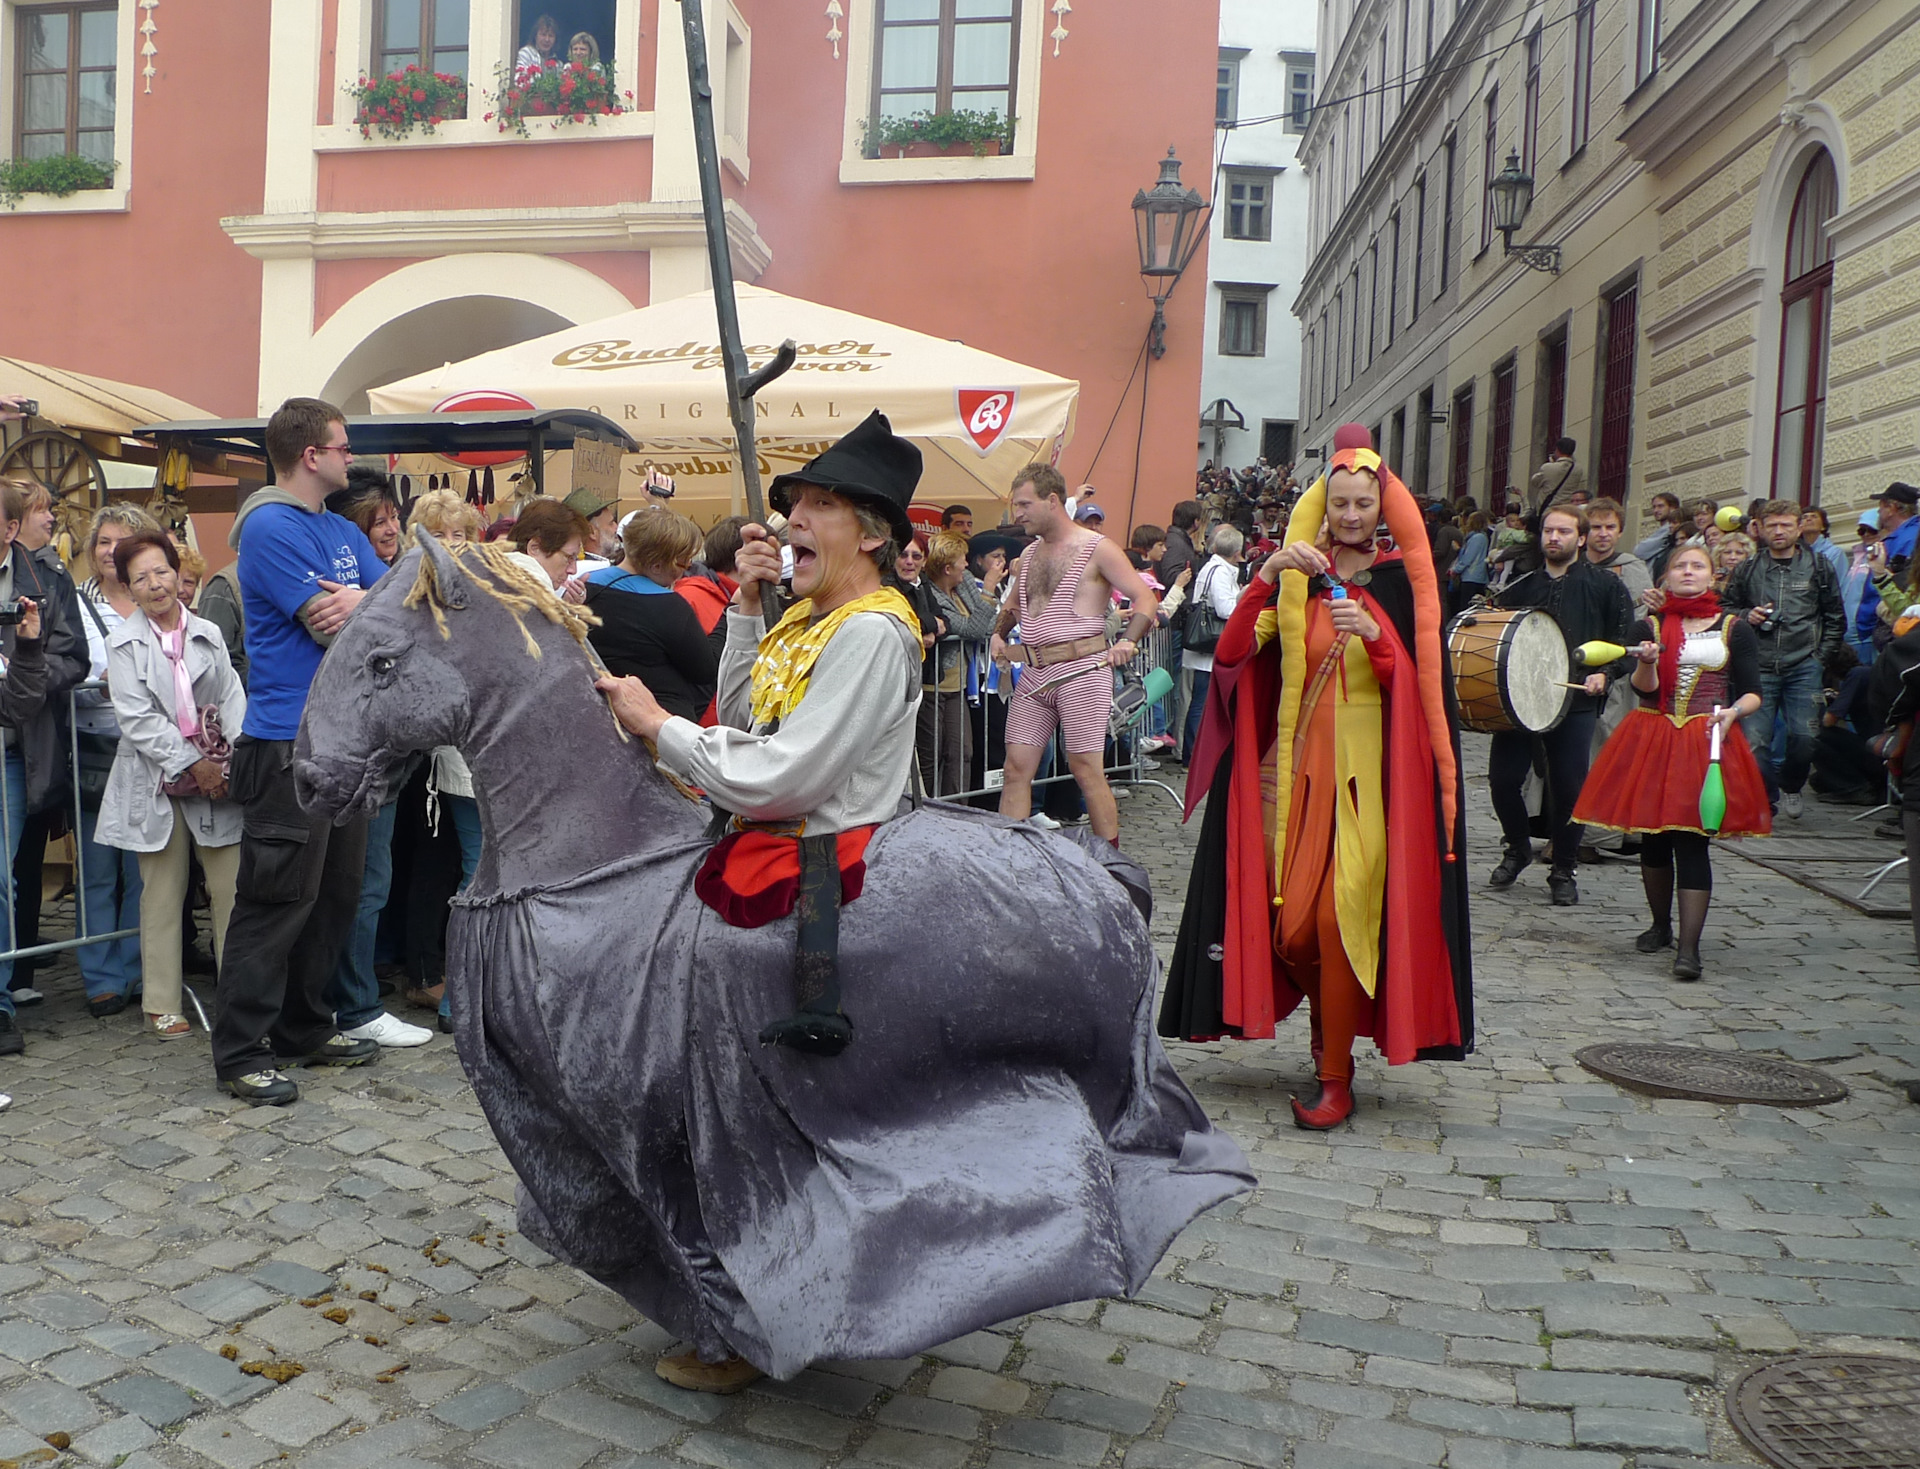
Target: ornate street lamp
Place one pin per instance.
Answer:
(1167, 221)
(1512, 195)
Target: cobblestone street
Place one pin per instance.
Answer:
(1501, 1264)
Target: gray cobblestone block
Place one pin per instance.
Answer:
(1637, 1216)
(1853, 1321)
(1099, 1410)
(982, 1350)
(63, 1310)
(153, 1399)
(1776, 1289)
(1634, 1428)
(844, 1395)
(1452, 1321)
(293, 1417)
(81, 1367)
(292, 1280)
(1599, 1390)
(799, 1424)
(1209, 1371)
(639, 1380)
(1731, 1242)
(17, 1444)
(1500, 1265)
(893, 1374)
(1345, 1301)
(1850, 1251)
(1286, 1356)
(1406, 1285)
(929, 1415)
(1339, 1456)
(1252, 1412)
(1556, 1190)
(1171, 1295)
(1494, 1454)
(226, 1299)
(1276, 1320)
(1048, 1439)
(527, 1443)
(1222, 1440)
(1524, 1424)
(388, 1446)
(1602, 1237)
(115, 1441)
(1538, 1295)
(1151, 1454)
(43, 1407)
(1492, 1352)
(607, 1418)
(202, 1372)
(1395, 1440)
(1336, 1397)
(900, 1450)
(1449, 1382)
(27, 1342)
(567, 1368)
(1370, 1337)
(1124, 1319)
(481, 1406)
(1638, 1323)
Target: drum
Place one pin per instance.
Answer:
(1509, 669)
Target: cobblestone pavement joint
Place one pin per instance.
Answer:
(1500, 1264)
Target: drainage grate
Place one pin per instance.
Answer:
(1831, 1412)
(1713, 1076)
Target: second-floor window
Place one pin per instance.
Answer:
(429, 33)
(1226, 88)
(1646, 55)
(1489, 159)
(1530, 119)
(1243, 322)
(64, 81)
(945, 56)
(1299, 89)
(1582, 87)
(1248, 215)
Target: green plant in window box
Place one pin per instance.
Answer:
(60, 175)
(933, 134)
(394, 105)
(571, 93)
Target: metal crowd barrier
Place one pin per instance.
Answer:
(81, 938)
(1127, 763)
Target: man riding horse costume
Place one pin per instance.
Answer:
(918, 1149)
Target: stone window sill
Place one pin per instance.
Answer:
(857, 170)
(473, 132)
(84, 201)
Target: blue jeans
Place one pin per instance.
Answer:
(465, 812)
(15, 791)
(354, 992)
(1792, 699)
(111, 900)
(1196, 711)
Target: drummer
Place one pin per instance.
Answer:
(1590, 605)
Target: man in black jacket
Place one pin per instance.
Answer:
(1792, 598)
(1590, 605)
(1179, 555)
(1893, 699)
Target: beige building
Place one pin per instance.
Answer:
(1734, 190)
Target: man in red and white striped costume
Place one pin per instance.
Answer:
(1065, 584)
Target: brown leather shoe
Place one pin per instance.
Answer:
(685, 1369)
(426, 997)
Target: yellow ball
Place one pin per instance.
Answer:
(1728, 518)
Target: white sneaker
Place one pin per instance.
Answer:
(1791, 804)
(1043, 821)
(385, 1030)
(5, 1101)
(28, 996)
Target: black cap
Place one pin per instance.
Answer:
(871, 466)
(1902, 492)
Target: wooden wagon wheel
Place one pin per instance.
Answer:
(65, 466)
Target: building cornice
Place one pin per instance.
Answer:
(558, 231)
(1728, 299)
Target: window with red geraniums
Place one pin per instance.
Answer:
(430, 34)
(579, 92)
(395, 105)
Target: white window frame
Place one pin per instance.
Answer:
(1244, 293)
(1295, 62)
(1230, 59)
(856, 168)
(114, 199)
(1261, 174)
(491, 44)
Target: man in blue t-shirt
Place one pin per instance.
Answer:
(303, 570)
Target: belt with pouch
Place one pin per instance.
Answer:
(1046, 655)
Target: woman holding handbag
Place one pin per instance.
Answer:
(175, 694)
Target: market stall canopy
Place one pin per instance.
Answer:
(81, 402)
(408, 433)
(657, 373)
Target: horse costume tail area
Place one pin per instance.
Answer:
(1004, 1134)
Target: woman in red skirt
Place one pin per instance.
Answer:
(1699, 664)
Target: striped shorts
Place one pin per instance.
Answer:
(1079, 704)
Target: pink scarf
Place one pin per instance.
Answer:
(186, 713)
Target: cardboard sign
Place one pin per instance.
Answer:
(596, 466)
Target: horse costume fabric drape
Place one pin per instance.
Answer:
(1003, 1135)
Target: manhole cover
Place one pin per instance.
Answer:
(1714, 1076)
(1831, 1412)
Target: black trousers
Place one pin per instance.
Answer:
(1568, 748)
(294, 905)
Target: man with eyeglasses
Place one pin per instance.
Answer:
(303, 570)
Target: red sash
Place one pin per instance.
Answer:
(752, 877)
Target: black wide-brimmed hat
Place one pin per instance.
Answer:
(871, 466)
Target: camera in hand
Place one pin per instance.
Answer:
(12, 611)
(26, 408)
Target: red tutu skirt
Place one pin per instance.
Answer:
(1648, 778)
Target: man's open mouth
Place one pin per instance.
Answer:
(803, 557)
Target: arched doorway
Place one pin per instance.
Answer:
(1806, 311)
(441, 331)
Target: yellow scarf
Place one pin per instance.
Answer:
(787, 654)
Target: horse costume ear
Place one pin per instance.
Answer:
(450, 582)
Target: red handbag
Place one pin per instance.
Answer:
(211, 741)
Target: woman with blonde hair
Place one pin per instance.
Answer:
(646, 631)
(969, 619)
(110, 896)
(1733, 548)
(446, 516)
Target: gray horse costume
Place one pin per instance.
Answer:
(1004, 1134)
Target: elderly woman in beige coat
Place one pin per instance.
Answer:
(154, 657)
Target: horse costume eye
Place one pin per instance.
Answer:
(380, 665)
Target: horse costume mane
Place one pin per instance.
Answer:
(511, 585)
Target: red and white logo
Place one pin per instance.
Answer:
(485, 400)
(986, 414)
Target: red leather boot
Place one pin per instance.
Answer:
(1316, 1041)
(1332, 1107)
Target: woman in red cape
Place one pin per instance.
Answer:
(1326, 867)
(1697, 664)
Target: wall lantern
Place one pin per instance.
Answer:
(1167, 221)
(1512, 194)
